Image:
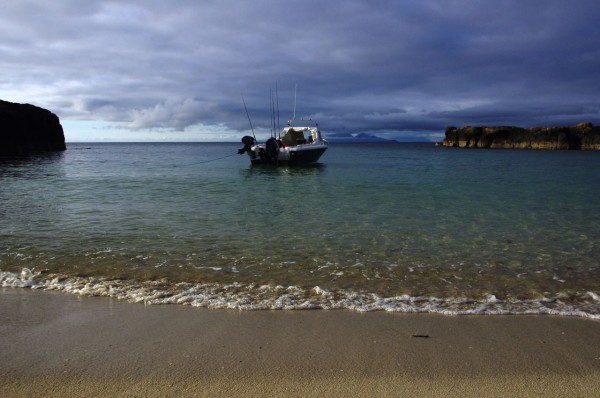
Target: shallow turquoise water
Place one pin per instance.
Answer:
(375, 226)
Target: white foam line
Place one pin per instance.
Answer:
(267, 297)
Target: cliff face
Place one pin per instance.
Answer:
(26, 128)
(582, 136)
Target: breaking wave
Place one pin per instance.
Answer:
(268, 297)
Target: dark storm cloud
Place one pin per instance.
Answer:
(386, 67)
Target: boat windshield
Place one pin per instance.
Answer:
(293, 136)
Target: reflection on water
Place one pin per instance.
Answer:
(44, 164)
(270, 170)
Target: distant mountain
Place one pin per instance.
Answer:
(360, 137)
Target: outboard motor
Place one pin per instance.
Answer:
(271, 150)
(248, 142)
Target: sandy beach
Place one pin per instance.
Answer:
(55, 344)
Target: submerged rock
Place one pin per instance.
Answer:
(26, 128)
(582, 136)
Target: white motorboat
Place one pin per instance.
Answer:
(294, 146)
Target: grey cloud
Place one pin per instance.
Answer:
(389, 67)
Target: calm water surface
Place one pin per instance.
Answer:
(397, 227)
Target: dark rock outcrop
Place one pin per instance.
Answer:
(582, 136)
(26, 128)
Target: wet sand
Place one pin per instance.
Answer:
(55, 344)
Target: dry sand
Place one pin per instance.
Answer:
(54, 344)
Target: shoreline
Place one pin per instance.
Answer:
(250, 296)
(60, 344)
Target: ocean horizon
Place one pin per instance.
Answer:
(391, 226)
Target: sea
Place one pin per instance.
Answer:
(399, 227)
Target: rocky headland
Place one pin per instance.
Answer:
(26, 128)
(583, 136)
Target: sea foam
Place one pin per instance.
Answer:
(266, 297)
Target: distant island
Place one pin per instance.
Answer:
(26, 129)
(583, 136)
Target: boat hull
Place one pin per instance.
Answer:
(292, 156)
(307, 156)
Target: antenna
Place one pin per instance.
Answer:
(295, 91)
(249, 121)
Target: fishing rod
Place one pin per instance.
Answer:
(273, 115)
(249, 121)
(271, 110)
(277, 96)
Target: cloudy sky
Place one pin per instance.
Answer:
(176, 70)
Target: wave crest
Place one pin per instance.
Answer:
(268, 297)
